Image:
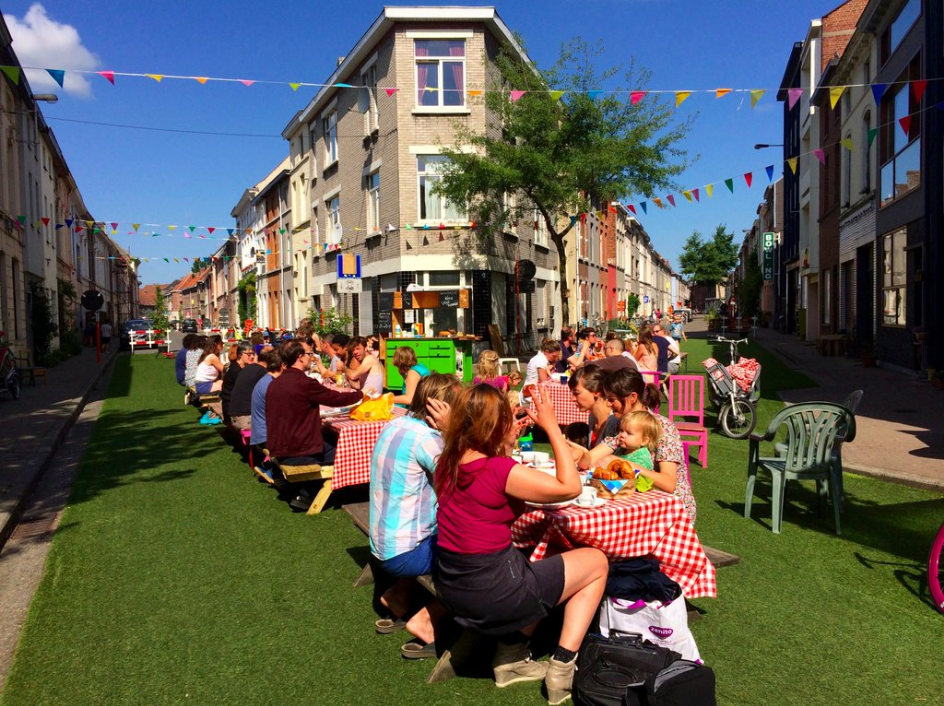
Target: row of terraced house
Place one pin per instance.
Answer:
(51, 248)
(358, 180)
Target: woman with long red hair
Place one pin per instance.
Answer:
(487, 584)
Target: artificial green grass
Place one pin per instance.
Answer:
(176, 578)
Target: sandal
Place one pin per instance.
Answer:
(385, 626)
(415, 650)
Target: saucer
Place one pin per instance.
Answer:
(599, 502)
(552, 506)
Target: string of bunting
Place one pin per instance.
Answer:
(635, 96)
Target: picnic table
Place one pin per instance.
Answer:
(356, 442)
(652, 523)
(565, 409)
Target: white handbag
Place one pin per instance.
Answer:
(664, 624)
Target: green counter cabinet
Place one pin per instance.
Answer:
(440, 355)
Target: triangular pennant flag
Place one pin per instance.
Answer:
(59, 225)
(58, 75)
(593, 95)
(515, 95)
(78, 229)
(343, 85)
(408, 246)
(201, 79)
(390, 91)
(687, 195)
(695, 194)
(281, 231)
(156, 77)
(793, 95)
(878, 90)
(847, 143)
(793, 164)
(409, 227)
(176, 260)
(114, 232)
(658, 202)
(229, 231)
(89, 224)
(631, 208)
(770, 172)
(756, 95)
(872, 133)
(556, 95)
(475, 92)
(187, 235)
(905, 123)
(425, 240)
(166, 260)
(108, 75)
(441, 238)
(671, 199)
(171, 228)
(680, 97)
(636, 96)
(730, 184)
(748, 178)
(210, 230)
(114, 226)
(246, 82)
(820, 155)
(294, 86)
(45, 221)
(12, 72)
(68, 223)
(719, 92)
(192, 228)
(835, 93)
(642, 205)
(917, 87)
(442, 226)
(186, 260)
(710, 190)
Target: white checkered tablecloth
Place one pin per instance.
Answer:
(653, 523)
(355, 445)
(565, 409)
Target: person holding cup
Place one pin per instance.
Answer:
(486, 583)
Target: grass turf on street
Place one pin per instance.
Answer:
(176, 578)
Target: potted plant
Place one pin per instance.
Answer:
(714, 320)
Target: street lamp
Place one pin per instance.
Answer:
(764, 145)
(46, 97)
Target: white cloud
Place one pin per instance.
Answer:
(42, 42)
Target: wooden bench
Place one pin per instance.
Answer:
(303, 474)
(25, 366)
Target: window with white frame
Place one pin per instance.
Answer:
(330, 128)
(332, 233)
(433, 206)
(440, 72)
(540, 229)
(510, 206)
(894, 278)
(373, 202)
(372, 116)
(315, 226)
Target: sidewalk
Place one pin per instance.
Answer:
(32, 427)
(899, 424)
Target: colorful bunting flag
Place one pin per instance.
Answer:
(918, 87)
(556, 95)
(294, 86)
(847, 143)
(872, 133)
(878, 90)
(593, 95)
(45, 221)
(171, 228)
(748, 178)
(658, 202)
(201, 79)
(636, 96)
(687, 195)
(13, 73)
(820, 155)
(730, 184)
(515, 95)
(671, 199)
(719, 92)
(680, 97)
(390, 91)
(246, 82)
(108, 75)
(58, 75)
(475, 93)
(710, 190)
(756, 95)
(905, 123)
(156, 77)
(792, 161)
(642, 205)
(343, 85)
(793, 95)
(770, 173)
(631, 208)
(695, 194)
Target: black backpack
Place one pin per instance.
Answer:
(626, 670)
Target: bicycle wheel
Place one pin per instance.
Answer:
(936, 570)
(738, 419)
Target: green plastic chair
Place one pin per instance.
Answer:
(813, 430)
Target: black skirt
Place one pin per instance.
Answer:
(498, 593)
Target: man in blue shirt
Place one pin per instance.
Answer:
(180, 361)
(258, 402)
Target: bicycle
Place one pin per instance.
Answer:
(737, 408)
(936, 570)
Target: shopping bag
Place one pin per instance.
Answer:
(380, 409)
(664, 624)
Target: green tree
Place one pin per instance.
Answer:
(560, 154)
(198, 264)
(329, 321)
(750, 289)
(708, 262)
(247, 297)
(159, 319)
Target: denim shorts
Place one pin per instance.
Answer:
(416, 562)
(204, 388)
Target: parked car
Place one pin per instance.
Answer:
(188, 326)
(131, 326)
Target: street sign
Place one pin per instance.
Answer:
(350, 286)
(92, 300)
(769, 239)
(349, 266)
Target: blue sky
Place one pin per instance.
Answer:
(171, 178)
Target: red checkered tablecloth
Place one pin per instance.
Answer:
(355, 445)
(565, 409)
(653, 523)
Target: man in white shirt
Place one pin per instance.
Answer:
(675, 352)
(542, 364)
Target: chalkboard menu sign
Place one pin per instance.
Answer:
(386, 301)
(449, 300)
(384, 321)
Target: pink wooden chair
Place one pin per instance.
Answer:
(687, 412)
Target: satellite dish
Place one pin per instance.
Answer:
(93, 300)
(336, 233)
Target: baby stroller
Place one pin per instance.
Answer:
(734, 391)
(9, 375)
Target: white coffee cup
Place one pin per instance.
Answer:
(541, 457)
(527, 456)
(587, 497)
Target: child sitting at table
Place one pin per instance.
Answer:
(514, 380)
(639, 437)
(488, 371)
